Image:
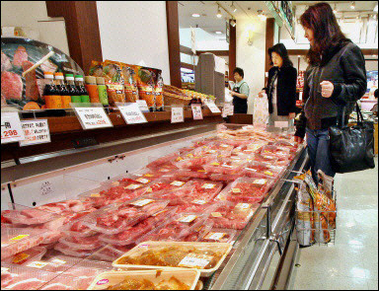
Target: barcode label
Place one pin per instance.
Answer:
(195, 261)
(187, 218)
(142, 202)
(143, 180)
(215, 235)
(208, 186)
(177, 183)
(133, 186)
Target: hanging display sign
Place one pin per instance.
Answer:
(212, 107)
(93, 117)
(11, 130)
(35, 132)
(132, 114)
(177, 114)
(197, 112)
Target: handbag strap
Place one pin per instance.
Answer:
(359, 114)
(341, 116)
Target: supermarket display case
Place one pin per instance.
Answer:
(264, 252)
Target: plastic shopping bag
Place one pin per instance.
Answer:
(260, 114)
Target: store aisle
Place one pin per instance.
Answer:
(352, 263)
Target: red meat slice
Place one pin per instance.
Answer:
(27, 284)
(11, 85)
(31, 88)
(57, 286)
(20, 56)
(5, 62)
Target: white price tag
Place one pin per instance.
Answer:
(208, 186)
(227, 110)
(197, 112)
(236, 190)
(212, 107)
(198, 201)
(195, 261)
(215, 235)
(35, 132)
(187, 218)
(133, 186)
(216, 214)
(142, 202)
(143, 180)
(4, 270)
(143, 105)
(37, 264)
(243, 206)
(177, 183)
(177, 114)
(92, 117)
(58, 262)
(132, 114)
(11, 129)
(260, 182)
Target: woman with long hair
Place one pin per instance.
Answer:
(334, 80)
(281, 85)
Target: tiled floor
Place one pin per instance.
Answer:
(352, 263)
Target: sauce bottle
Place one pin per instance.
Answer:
(103, 96)
(75, 95)
(51, 94)
(92, 90)
(79, 81)
(63, 92)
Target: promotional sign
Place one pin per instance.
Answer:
(197, 112)
(143, 105)
(93, 117)
(132, 114)
(11, 129)
(35, 132)
(212, 107)
(177, 114)
(227, 110)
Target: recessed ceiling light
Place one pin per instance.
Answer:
(196, 15)
(218, 32)
(234, 8)
(352, 6)
(219, 14)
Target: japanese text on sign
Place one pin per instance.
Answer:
(93, 117)
(197, 112)
(177, 114)
(227, 110)
(132, 114)
(35, 132)
(11, 130)
(212, 107)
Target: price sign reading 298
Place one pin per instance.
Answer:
(11, 130)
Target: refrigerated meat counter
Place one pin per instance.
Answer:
(262, 255)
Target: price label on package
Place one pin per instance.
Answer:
(212, 107)
(197, 112)
(35, 132)
(11, 129)
(132, 114)
(143, 180)
(195, 261)
(142, 202)
(187, 218)
(177, 183)
(92, 117)
(177, 114)
(215, 236)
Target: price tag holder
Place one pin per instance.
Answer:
(35, 132)
(177, 114)
(132, 114)
(92, 117)
(11, 129)
(212, 107)
(197, 112)
(143, 106)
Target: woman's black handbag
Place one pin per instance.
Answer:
(352, 148)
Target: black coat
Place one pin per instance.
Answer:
(286, 89)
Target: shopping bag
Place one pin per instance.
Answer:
(260, 114)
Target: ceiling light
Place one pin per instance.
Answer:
(196, 15)
(219, 14)
(352, 6)
(234, 8)
(335, 9)
(218, 32)
(261, 15)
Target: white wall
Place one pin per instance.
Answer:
(252, 58)
(27, 14)
(204, 40)
(132, 31)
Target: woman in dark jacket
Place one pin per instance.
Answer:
(281, 85)
(334, 80)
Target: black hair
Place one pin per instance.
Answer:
(281, 50)
(239, 71)
(376, 93)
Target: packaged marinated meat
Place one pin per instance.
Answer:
(232, 215)
(33, 254)
(117, 217)
(17, 240)
(223, 235)
(246, 190)
(147, 280)
(82, 243)
(206, 257)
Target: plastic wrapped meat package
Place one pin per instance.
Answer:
(82, 243)
(161, 161)
(175, 229)
(131, 234)
(117, 217)
(204, 190)
(247, 190)
(33, 254)
(194, 160)
(228, 167)
(206, 257)
(256, 169)
(196, 172)
(197, 206)
(232, 215)
(76, 227)
(217, 148)
(109, 253)
(222, 235)
(198, 232)
(30, 216)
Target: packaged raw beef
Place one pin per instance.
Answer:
(161, 161)
(197, 206)
(110, 252)
(76, 227)
(222, 235)
(232, 215)
(67, 250)
(204, 190)
(30, 216)
(199, 232)
(131, 234)
(256, 169)
(247, 190)
(117, 217)
(192, 160)
(218, 148)
(33, 254)
(82, 243)
(226, 166)
(17, 240)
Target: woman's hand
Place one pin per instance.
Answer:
(327, 89)
(292, 115)
(298, 139)
(261, 94)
